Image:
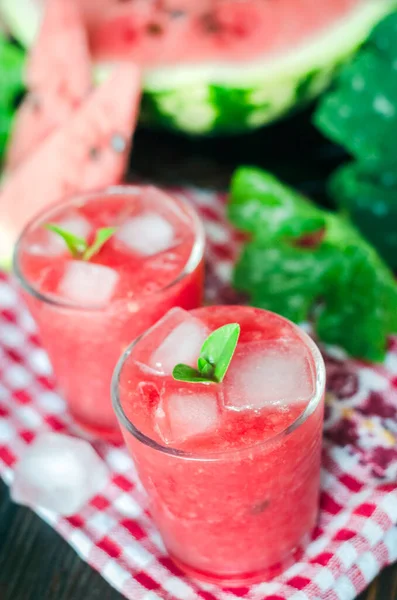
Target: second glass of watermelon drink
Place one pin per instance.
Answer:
(232, 469)
(87, 311)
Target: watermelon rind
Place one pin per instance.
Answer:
(219, 98)
(215, 98)
(22, 18)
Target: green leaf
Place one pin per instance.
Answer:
(76, 245)
(261, 205)
(205, 368)
(283, 278)
(370, 201)
(337, 280)
(218, 349)
(360, 112)
(215, 356)
(188, 374)
(101, 237)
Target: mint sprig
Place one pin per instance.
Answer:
(215, 356)
(77, 246)
(101, 237)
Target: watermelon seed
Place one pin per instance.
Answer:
(94, 153)
(210, 23)
(154, 29)
(260, 507)
(118, 143)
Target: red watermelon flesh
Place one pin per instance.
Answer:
(60, 56)
(158, 32)
(58, 77)
(170, 31)
(88, 152)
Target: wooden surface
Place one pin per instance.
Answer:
(35, 562)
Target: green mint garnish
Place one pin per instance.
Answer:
(101, 237)
(77, 246)
(185, 373)
(215, 356)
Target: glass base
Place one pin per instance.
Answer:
(92, 433)
(242, 579)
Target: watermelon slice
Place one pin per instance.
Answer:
(88, 152)
(58, 77)
(220, 65)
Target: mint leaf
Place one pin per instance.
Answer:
(283, 278)
(185, 373)
(205, 368)
(360, 110)
(219, 347)
(371, 202)
(337, 280)
(101, 237)
(75, 244)
(215, 356)
(264, 206)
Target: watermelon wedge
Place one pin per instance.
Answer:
(58, 77)
(88, 152)
(219, 65)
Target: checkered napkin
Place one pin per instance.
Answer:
(356, 535)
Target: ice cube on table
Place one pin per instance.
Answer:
(268, 374)
(53, 245)
(88, 283)
(183, 414)
(59, 473)
(182, 344)
(148, 233)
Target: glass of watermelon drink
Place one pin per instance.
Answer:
(87, 311)
(231, 469)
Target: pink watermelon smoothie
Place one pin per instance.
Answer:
(88, 312)
(231, 470)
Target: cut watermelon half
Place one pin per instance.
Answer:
(58, 76)
(220, 65)
(88, 152)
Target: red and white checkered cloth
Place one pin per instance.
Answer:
(356, 535)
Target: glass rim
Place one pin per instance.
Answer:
(311, 406)
(192, 262)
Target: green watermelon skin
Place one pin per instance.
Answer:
(88, 152)
(223, 97)
(211, 109)
(259, 94)
(58, 76)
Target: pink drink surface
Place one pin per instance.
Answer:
(86, 322)
(233, 492)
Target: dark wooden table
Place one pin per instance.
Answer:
(35, 562)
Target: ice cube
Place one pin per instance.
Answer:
(87, 283)
(59, 473)
(275, 373)
(52, 244)
(181, 345)
(148, 233)
(184, 414)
